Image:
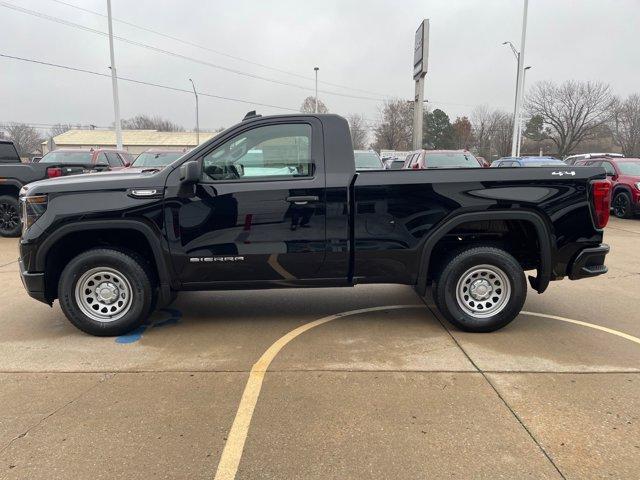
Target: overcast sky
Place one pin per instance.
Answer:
(362, 44)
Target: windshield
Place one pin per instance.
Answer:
(451, 160)
(367, 161)
(57, 156)
(160, 159)
(629, 168)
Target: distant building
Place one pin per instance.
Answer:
(134, 141)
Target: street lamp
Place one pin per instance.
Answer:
(316, 70)
(197, 114)
(524, 77)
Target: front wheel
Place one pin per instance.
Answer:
(622, 205)
(481, 289)
(106, 292)
(9, 216)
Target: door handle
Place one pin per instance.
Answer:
(303, 199)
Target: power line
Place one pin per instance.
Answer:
(174, 54)
(141, 82)
(218, 52)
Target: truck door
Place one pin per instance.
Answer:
(258, 213)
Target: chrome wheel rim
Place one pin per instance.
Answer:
(483, 291)
(103, 294)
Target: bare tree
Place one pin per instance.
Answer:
(625, 125)
(489, 128)
(147, 122)
(26, 138)
(572, 110)
(309, 106)
(395, 127)
(359, 131)
(59, 129)
(502, 133)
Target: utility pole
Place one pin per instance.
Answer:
(316, 70)
(516, 54)
(524, 78)
(114, 81)
(519, 93)
(420, 62)
(197, 114)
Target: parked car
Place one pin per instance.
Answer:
(8, 152)
(156, 158)
(112, 247)
(527, 162)
(58, 163)
(572, 159)
(420, 159)
(367, 160)
(624, 174)
(79, 159)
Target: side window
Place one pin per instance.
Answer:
(609, 168)
(114, 159)
(102, 159)
(282, 151)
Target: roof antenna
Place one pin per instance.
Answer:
(250, 114)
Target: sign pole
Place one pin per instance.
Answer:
(420, 60)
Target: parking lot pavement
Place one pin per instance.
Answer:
(384, 393)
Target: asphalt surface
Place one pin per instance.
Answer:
(385, 393)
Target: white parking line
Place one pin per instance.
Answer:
(234, 446)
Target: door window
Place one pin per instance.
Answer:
(114, 159)
(609, 168)
(268, 152)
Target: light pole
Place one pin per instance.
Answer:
(524, 77)
(316, 70)
(114, 81)
(516, 119)
(197, 114)
(516, 54)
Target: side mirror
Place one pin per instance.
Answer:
(190, 172)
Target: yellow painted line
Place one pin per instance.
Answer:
(586, 324)
(232, 453)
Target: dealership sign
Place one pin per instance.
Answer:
(421, 50)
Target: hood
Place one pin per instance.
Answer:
(112, 180)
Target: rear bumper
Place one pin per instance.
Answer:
(33, 283)
(589, 263)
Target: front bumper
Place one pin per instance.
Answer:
(589, 263)
(33, 283)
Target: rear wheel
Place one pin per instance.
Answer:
(481, 289)
(622, 205)
(9, 216)
(106, 292)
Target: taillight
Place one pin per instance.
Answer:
(53, 172)
(601, 199)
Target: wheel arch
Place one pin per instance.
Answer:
(159, 253)
(543, 232)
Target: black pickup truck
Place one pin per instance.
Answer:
(275, 202)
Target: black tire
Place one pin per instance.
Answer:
(130, 267)
(622, 205)
(508, 300)
(10, 225)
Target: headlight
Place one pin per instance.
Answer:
(638, 185)
(33, 208)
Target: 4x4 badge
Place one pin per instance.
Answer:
(560, 173)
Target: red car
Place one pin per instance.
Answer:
(78, 160)
(624, 174)
(421, 159)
